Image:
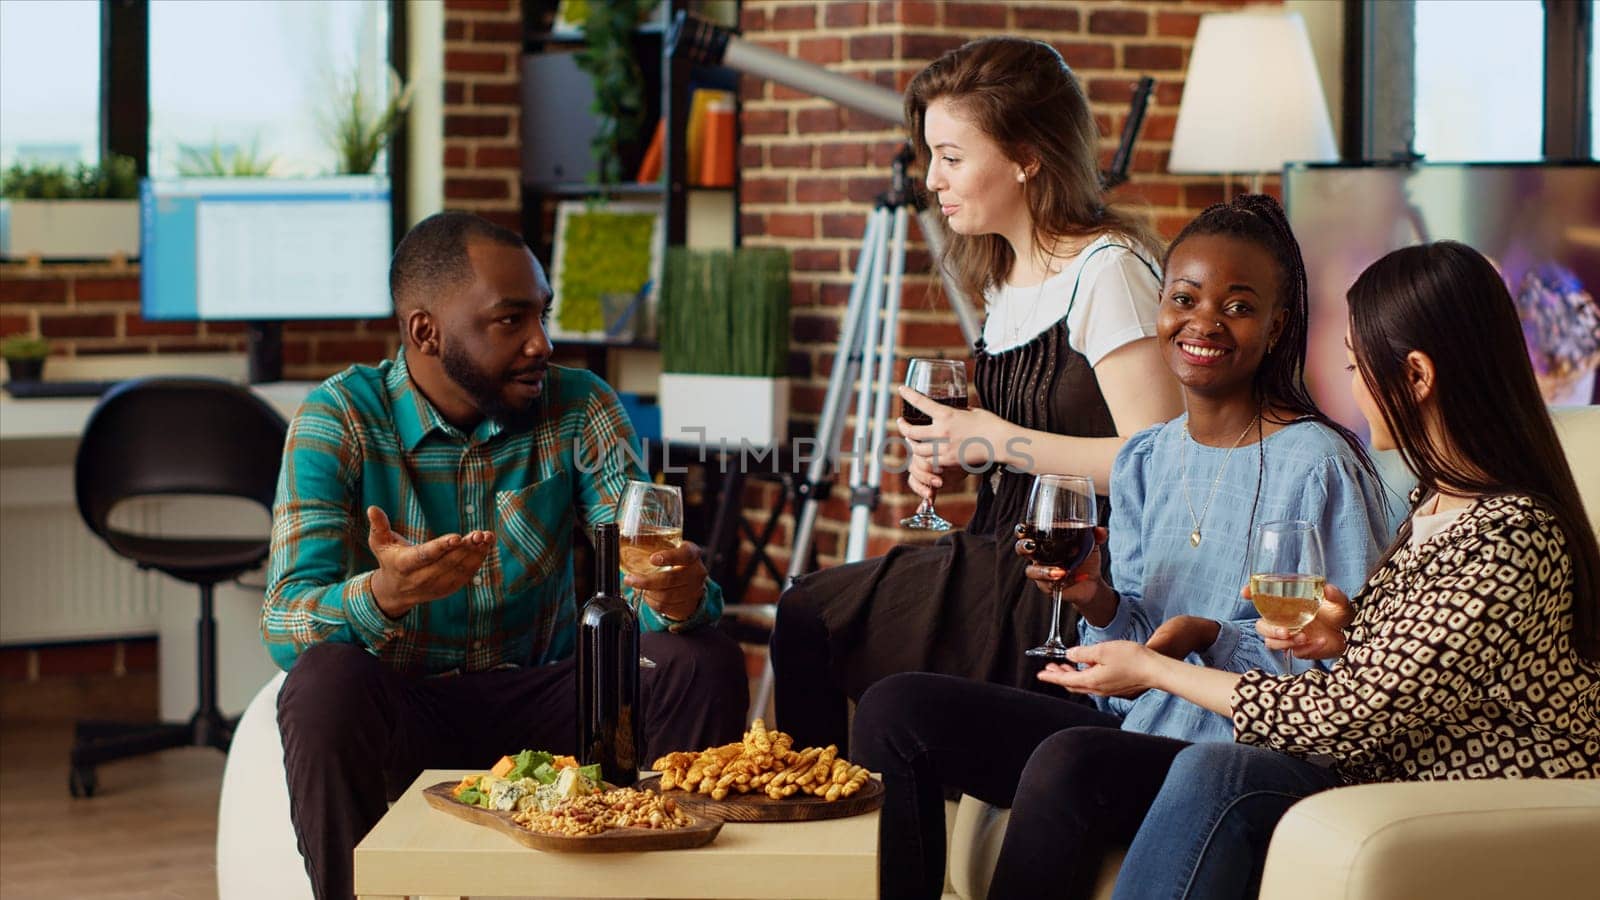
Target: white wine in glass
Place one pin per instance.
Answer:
(649, 520)
(1288, 576)
(1287, 601)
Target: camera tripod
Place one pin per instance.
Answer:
(865, 359)
(865, 363)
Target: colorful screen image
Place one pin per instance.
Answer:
(1539, 224)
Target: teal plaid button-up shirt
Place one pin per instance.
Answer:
(367, 437)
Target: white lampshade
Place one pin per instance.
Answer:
(1251, 100)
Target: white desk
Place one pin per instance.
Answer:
(58, 582)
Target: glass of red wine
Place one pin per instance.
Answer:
(944, 381)
(1059, 529)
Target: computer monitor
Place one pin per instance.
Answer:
(1538, 223)
(265, 250)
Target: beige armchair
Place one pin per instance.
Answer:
(1460, 840)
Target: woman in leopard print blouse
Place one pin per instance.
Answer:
(1472, 649)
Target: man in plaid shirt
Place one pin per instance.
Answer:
(420, 589)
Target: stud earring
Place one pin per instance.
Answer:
(1022, 176)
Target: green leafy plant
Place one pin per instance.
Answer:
(115, 178)
(215, 162)
(360, 126)
(24, 346)
(726, 313)
(609, 59)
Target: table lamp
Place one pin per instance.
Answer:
(1252, 100)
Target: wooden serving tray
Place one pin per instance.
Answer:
(757, 807)
(703, 830)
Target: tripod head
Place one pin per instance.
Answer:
(902, 191)
(1118, 173)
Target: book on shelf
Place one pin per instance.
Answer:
(650, 166)
(716, 162)
(695, 143)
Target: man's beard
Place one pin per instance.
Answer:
(486, 391)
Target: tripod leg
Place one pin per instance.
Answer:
(862, 494)
(831, 425)
(877, 425)
(834, 409)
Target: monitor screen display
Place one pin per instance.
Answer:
(1539, 224)
(265, 249)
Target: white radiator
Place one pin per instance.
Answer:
(58, 582)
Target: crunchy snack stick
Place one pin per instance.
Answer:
(763, 761)
(858, 778)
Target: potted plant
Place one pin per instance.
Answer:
(216, 161)
(24, 355)
(85, 212)
(724, 322)
(360, 124)
(608, 57)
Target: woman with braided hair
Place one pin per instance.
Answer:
(1185, 497)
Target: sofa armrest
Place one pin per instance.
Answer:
(1459, 839)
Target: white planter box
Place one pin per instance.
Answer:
(69, 229)
(728, 407)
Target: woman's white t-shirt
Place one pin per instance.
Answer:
(1118, 295)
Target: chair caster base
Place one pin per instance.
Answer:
(82, 781)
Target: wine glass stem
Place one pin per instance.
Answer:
(1055, 616)
(925, 508)
(1288, 662)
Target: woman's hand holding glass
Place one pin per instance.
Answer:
(1288, 576)
(1322, 638)
(933, 388)
(1082, 587)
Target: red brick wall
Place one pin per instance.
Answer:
(811, 168)
(88, 309)
(482, 143)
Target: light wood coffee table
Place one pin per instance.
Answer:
(419, 851)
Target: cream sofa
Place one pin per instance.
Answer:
(1454, 841)
(1459, 841)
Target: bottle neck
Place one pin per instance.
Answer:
(608, 577)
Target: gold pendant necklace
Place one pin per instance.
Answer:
(1183, 455)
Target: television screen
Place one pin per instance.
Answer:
(265, 249)
(1539, 224)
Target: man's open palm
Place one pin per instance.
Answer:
(412, 574)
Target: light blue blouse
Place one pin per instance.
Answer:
(1305, 471)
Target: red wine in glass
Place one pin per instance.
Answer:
(1063, 545)
(944, 381)
(917, 417)
(1059, 526)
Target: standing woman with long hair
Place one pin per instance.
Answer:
(1066, 371)
(1473, 651)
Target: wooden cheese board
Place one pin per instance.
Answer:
(703, 830)
(758, 807)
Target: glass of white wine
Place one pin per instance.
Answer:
(1289, 574)
(649, 520)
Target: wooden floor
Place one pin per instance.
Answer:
(149, 832)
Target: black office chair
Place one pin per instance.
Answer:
(165, 436)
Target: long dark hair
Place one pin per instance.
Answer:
(1445, 300)
(1280, 381)
(1024, 97)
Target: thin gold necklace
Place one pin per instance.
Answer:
(1183, 455)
